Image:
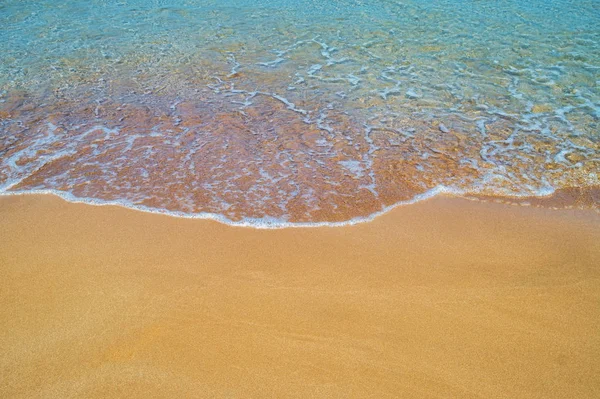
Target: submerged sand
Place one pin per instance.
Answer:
(445, 298)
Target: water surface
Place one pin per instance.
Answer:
(280, 111)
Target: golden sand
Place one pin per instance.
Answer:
(446, 298)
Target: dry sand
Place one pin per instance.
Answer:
(446, 298)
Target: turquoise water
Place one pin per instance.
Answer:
(277, 112)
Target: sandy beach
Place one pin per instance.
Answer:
(448, 298)
(402, 199)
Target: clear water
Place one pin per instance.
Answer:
(280, 111)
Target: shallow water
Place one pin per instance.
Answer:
(285, 111)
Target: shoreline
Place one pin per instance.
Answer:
(582, 198)
(446, 298)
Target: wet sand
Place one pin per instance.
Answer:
(445, 298)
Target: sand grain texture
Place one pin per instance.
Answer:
(445, 298)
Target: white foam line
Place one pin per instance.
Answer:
(290, 105)
(281, 55)
(235, 67)
(269, 223)
(262, 223)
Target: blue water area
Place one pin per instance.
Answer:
(297, 111)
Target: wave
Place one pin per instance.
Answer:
(258, 223)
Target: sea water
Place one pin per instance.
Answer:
(281, 112)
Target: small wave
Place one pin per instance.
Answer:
(258, 223)
(265, 222)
